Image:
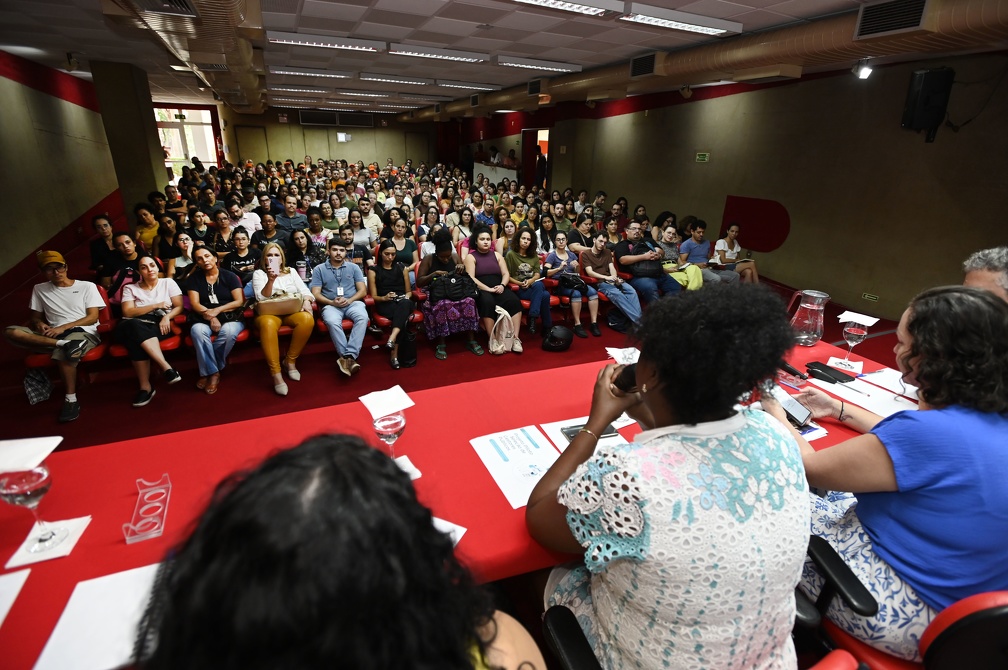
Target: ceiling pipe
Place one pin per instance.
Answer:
(830, 41)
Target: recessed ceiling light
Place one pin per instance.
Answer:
(310, 72)
(596, 8)
(298, 89)
(669, 18)
(533, 64)
(362, 94)
(440, 54)
(392, 79)
(324, 41)
(468, 85)
(302, 100)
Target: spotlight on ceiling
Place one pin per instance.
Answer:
(862, 69)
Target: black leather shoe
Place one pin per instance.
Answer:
(394, 362)
(532, 327)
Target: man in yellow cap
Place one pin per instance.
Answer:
(64, 318)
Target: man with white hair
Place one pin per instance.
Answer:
(988, 269)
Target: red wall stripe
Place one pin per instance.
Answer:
(48, 80)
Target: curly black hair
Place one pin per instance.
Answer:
(320, 557)
(710, 346)
(958, 348)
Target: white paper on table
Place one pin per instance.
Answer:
(453, 529)
(24, 557)
(97, 630)
(27, 453)
(406, 465)
(845, 366)
(516, 459)
(863, 319)
(10, 587)
(622, 421)
(891, 379)
(389, 401)
(623, 356)
(555, 433)
(874, 399)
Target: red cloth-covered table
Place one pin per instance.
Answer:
(101, 481)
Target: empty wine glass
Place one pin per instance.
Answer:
(26, 489)
(388, 428)
(854, 334)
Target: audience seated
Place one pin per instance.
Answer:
(563, 266)
(726, 254)
(597, 263)
(63, 321)
(490, 274)
(389, 287)
(697, 251)
(523, 266)
(339, 287)
(102, 248)
(642, 258)
(148, 307)
(216, 304)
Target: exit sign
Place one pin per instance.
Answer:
(703, 157)
(180, 117)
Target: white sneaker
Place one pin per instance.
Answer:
(516, 346)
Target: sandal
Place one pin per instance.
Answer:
(440, 353)
(201, 383)
(212, 383)
(394, 362)
(475, 347)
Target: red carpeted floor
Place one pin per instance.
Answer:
(246, 390)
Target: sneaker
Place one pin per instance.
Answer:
(172, 376)
(580, 331)
(516, 346)
(354, 365)
(70, 412)
(74, 349)
(344, 365)
(143, 397)
(594, 330)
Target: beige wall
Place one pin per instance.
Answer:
(873, 207)
(292, 140)
(57, 166)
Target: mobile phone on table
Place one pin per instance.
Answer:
(796, 412)
(570, 432)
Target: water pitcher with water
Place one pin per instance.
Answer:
(808, 320)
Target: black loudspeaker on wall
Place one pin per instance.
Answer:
(926, 101)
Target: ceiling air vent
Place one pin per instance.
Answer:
(642, 66)
(168, 7)
(895, 17)
(535, 87)
(212, 67)
(474, 100)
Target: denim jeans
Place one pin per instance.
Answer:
(211, 356)
(539, 298)
(333, 317)
(624, 297)
(651, 288)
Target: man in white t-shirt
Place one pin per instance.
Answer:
(370, 219)
(64, 322)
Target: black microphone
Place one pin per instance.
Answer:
(790, 369)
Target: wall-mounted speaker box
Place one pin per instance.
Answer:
(927, 100)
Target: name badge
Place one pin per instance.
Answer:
(339, 291)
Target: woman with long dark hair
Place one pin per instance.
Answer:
(322, 557)
(389, 287)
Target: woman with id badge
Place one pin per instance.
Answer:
(216, 298)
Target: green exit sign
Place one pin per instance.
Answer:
(180, 117)
(703, 157)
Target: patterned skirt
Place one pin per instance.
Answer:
(446, 317)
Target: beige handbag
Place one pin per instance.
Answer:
(281, 304)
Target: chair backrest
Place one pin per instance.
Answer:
(105, 313)
(972, 633)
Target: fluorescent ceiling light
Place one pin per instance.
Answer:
(298, 89)
(386, 106)
(338, 109)
(505, 111)
(310, 72)
(440, 54)
(669, 18)
(362, 94)
(595, 8)
(301, 100)
(426, 98)
(392, 79)
(324, 41)
(468, 85)
(533, 64)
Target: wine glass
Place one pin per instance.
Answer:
(26, 489)
(388, 428)
(854, 334)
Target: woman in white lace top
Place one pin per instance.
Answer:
(692, 537)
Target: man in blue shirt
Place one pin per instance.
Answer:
(697, 250)
(339, 289)
(290, 220)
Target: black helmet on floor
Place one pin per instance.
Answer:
(558, 338)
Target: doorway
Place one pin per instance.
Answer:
(535, 173)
